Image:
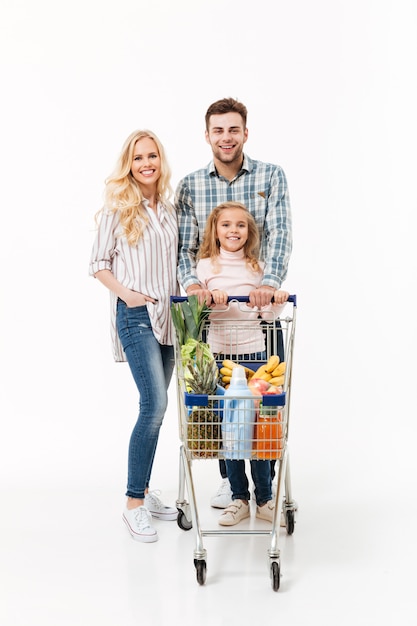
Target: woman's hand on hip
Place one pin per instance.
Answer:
(134, 298)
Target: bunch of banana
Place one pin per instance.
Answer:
(273, 371)
(226, 371)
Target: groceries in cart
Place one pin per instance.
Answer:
(239, 416)
(199, 375)
(218, 423)
(271, 372)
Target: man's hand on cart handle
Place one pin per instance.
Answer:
(203, 295)
(261, 296)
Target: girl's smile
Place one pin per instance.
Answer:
(232, 229)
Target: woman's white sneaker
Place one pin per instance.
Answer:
(139, 524)
(157, 508)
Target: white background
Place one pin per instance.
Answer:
(330, 88)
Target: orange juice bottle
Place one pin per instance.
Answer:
(269, 433)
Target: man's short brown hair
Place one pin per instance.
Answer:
(226, 105)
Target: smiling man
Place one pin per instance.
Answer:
(232, 175)
(261, 187)
(226, 134)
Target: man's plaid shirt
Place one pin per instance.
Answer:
(262, 188)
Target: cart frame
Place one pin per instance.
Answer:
(188, 517)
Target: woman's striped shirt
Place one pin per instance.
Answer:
(149, 267)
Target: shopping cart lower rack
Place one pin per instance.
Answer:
(204, 434)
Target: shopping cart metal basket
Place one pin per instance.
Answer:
(202, 428)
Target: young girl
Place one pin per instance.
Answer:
(135, 257)
(228, 266)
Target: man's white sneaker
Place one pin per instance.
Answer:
(157, 508)
(139, 524)
(223, 497)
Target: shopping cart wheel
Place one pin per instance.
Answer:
(275, 575)
(182, 521)
(289, 521)
(201, 570)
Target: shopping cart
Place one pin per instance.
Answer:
(201, 429)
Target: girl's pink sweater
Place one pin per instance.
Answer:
(234, 329)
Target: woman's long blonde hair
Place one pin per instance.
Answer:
(210, 246)
(122, 191)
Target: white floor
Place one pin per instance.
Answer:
(67, 560)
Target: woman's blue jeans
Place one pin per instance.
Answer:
(261, 475)
(151, 365)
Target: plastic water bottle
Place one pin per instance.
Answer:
(238, 417)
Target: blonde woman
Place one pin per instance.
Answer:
(135, 257)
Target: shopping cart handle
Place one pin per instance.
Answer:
(292, 298)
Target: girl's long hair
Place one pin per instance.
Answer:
(210, 246)
(123, 193)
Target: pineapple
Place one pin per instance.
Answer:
(203, 425)
(201, 375)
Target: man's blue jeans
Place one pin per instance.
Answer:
(151, 365)
(261, 475)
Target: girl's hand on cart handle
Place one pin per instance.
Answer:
(219, 297)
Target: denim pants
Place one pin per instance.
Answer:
(151, 365)
(261, 476)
